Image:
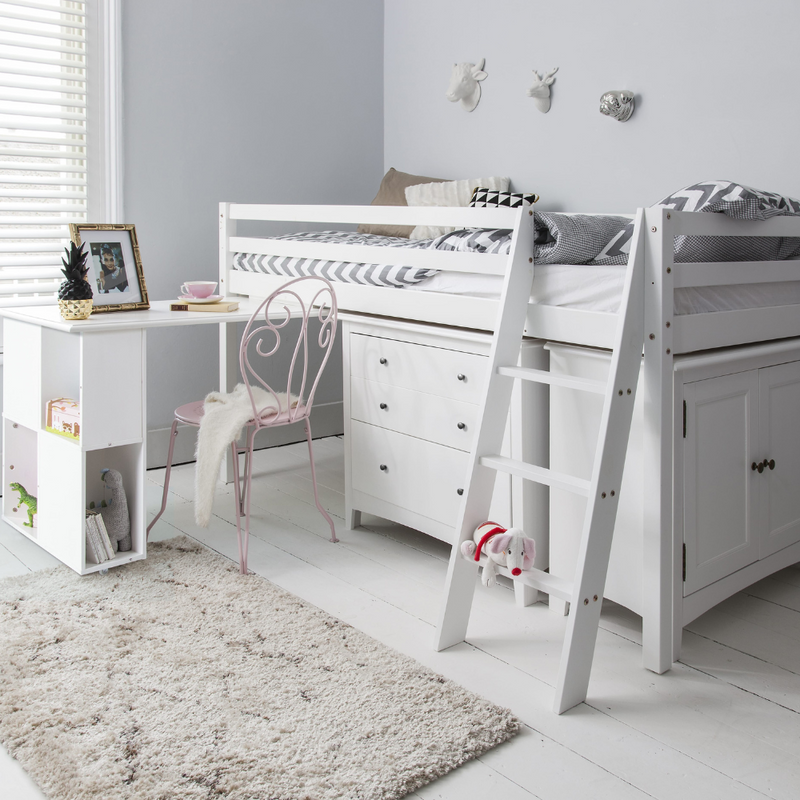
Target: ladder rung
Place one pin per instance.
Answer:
(538, 474)
(541, 376)
(544, 581)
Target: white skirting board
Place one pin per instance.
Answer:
(326, 420)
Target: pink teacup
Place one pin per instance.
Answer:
(199, 289)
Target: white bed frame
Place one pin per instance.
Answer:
(667, 335)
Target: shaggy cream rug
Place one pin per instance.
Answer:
(176, 677)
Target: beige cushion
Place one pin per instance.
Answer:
(450, 193)
(392, 193)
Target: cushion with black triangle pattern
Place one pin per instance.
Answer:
(483, 198)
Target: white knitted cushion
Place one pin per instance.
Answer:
(449, 193)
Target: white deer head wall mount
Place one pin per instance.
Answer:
(540, 91)
(465, 84)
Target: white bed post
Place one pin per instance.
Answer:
(228, 333)
(657, 545)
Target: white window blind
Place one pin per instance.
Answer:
(43, 155)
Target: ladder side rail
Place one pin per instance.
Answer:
(660, 558)
(512, 308)
(597, 534)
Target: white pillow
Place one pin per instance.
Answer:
(449, 193)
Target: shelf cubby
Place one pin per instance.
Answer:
(20, 466)
(104, 371)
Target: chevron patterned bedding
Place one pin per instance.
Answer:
(568, 239)
(368, 274)
(559, 239)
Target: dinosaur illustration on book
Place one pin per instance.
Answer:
(27, 500)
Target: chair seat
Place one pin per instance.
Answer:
(269, 418)
(191, 413)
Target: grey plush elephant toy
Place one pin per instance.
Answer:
(115, 515)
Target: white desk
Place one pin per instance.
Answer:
(101, 362)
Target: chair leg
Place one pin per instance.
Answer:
(173, 433)
(237, 495)
(244, 541)
(314, 482)
(248, 453)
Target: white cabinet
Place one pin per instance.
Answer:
(735, 451)
(741, 470)
(412, 396)
(105, 373)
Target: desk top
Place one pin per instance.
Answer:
(157, 316)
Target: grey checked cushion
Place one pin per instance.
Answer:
(721, 197)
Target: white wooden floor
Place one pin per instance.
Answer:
(723, 723)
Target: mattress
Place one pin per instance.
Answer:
(593, 288)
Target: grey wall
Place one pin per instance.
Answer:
(715, 85)
(244, 101)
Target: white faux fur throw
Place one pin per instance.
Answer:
(224, 416)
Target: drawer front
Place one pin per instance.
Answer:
(433, 370)
(426, 416)
(418, 475)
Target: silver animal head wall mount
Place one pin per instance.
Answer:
(465, 84)
(618, 104)
(540, 91)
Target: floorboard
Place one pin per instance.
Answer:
(723, 723)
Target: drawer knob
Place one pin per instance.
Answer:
(462, 425)
(383, 361)
(459, 492)
(383, 467)
(462, 376)
(770, 463)
(384, 406)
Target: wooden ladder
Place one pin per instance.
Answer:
(584, 591)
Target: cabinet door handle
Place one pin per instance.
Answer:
(461, 376)
(461, 426)
(383, 468)
(383, 361)
(770, 463)
(760, 467)
(459, 492)
(384, 406)
(754, 466)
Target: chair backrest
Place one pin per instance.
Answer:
(281, 323)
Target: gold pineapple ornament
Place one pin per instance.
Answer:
(75, 293)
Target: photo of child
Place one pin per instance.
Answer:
(109, 267)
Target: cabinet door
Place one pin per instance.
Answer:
(720, 512)
(779, 441)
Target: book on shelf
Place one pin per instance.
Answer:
(222, 306)
(98, 543)
(94, 547)
(104, 537)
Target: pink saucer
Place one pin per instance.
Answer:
(212, 298)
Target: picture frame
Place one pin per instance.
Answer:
(115, 266)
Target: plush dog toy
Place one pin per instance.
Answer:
(508, 548)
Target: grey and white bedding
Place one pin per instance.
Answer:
(579, 257)
(559, 239)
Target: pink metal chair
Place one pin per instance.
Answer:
(264, 337)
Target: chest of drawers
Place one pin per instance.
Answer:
(412, 395)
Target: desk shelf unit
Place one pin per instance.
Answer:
(104, 371)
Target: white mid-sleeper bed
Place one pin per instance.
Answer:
(699, 317)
